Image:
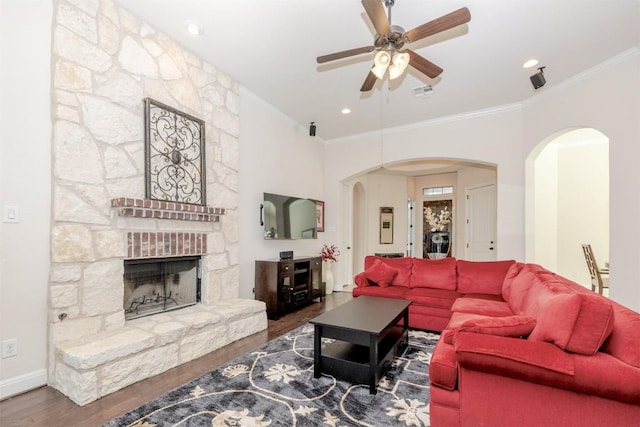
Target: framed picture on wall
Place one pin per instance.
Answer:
(386, 225)
(319, 215)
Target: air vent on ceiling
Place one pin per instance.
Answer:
(422, 91)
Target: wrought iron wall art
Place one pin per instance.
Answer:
(174, 152)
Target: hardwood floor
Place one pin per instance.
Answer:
(48, 407)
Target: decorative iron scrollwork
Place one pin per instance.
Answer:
(174, 151)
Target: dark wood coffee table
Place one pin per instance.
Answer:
(367, 336)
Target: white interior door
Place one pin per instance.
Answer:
(481, 223)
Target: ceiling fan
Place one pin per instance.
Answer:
(390, 40)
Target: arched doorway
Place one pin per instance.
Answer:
(568, 202)
(358, 225)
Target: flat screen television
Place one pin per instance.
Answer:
(286, 217)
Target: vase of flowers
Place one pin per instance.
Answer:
(436, 242)
(329, 256)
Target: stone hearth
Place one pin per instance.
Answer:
(99, 365)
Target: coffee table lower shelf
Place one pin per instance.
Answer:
(355, 363)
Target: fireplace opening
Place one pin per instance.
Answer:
(156, 285)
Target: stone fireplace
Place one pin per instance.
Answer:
(105, 63)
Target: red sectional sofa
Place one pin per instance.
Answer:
(519, 345)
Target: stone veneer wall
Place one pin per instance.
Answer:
(105, 62)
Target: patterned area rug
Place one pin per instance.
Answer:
(274, 386)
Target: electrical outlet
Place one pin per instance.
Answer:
(10, 348)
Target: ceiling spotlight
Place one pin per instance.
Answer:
(193, 28)
(530, 63)
(312, 129)
(538, 80)
(345, 110)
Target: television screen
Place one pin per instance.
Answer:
(286, 217)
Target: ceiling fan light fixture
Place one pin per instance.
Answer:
(382, 59)
(399, 63)
(381, 63)
(379, 71)
(395, 71)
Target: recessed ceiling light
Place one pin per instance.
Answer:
(345, 110)
(193, 28)
(530, 63)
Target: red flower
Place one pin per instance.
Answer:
(329, 253)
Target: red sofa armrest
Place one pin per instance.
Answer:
(545, 363)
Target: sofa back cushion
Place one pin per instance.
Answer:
(574, 321)
(434, 273)
(401, 265)
(487, 277)
(625, 336)
(510, 275)
(518, 291)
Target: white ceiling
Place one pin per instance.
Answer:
(270, 46)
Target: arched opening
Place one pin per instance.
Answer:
(359, 228)
(568, 202)
(392, 185)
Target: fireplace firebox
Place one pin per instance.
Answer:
(161, 284)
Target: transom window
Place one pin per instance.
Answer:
(437, 191)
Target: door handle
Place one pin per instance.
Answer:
(491, 248)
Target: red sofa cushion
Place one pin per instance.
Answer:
(573, 321)
(510, 326)
(376, 291)
(482, 306)
(432, 297)
(360, 280)
(511, 274)
(600, 374)
(380, 273)
(625, 336)
(402, 265)
(482, 277)
(443, 368)
(434, 273)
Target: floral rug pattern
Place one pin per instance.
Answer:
(274, 386)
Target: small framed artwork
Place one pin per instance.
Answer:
(386, 225)
(319, 215)
(174, 155)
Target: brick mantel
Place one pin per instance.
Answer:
(147, 208)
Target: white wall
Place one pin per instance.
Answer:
(583, 207)
(25, 158)
(572, 203)
(386, 191)
(608, 100)
(277, 156)
(545, 238)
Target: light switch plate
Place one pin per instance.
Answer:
(10, 214)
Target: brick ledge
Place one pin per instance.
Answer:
(157, 209)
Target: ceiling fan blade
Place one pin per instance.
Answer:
(445, 22)
(368, 82)
(376, 14)
(423, 65)
(344, 54)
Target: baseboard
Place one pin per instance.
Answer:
(22, 383)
